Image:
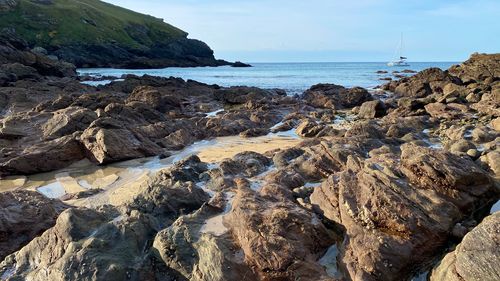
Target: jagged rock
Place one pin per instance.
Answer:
(478, 67)
(308, 129)
(15, 51)
(446, 111)
(67, 121)
(477, 257)
(458, 179)
(335, 96)
(24, 215)
(154, 99)
(423, 84)
(389, 222)
(107, 243)
(113, 144)
(43, 157)
(264, 227)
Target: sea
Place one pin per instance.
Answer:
(294, 78)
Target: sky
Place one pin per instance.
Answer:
(333, 30)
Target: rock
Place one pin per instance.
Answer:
(254, 132)
(424, 83)
(67, 121)
(477, 257)
(335, 96)
(240, 64)
(15, 55)
(458, 179)
(372, 109)
(8, 5)
(408, 71)
(446, 111)
(43, 157)
(260, 227)
(473, 153)
(387, 222)
(308, 129)
(20, 71)
(107, 243)
(381, 72)
(240, 95)
(153, 98)
(178, 140)
(495, 124)
(24, 216)
(107, 145)
(483, 134)
(283, 157)
(473, 98)
(479, 67)
(462, 146)
(492, 161)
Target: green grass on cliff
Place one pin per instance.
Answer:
(66, 22)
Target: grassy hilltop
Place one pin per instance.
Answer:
(78, 30)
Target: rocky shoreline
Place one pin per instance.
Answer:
(384, 185)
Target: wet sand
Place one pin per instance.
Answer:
(121, 182)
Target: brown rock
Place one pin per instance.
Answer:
(335, 96)
(268, 232)
(477, 257)
(458, 179)
(24, 215)
(106, 145)
(372, 109)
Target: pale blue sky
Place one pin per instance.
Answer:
(333, 30)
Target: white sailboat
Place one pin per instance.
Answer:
(400, 59)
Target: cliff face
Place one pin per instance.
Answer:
(91, 33)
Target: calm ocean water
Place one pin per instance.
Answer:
(292, 77)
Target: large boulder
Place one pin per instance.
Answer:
(372, 109)
(279, 240)
(423, 84)
(477, 257)
(43, 157)
(457, 179)
(23, 216)
(153, 98)
(335, 96)
(116, 143)
(391, 207)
